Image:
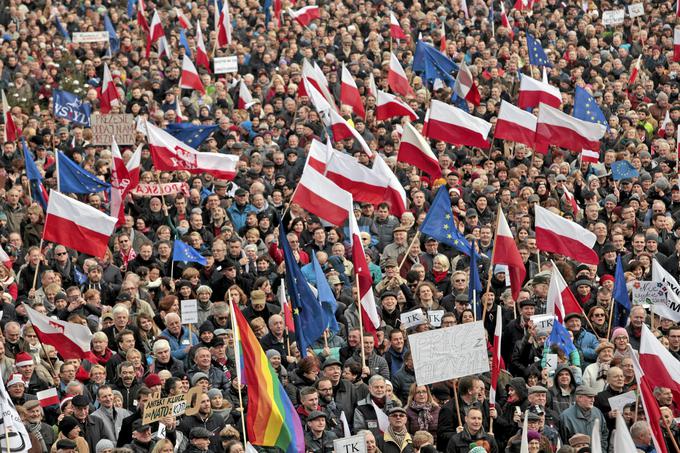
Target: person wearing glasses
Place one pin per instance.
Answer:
(396, 438)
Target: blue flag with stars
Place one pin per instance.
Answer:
(440, 224)
(307, 312)
(186, 253)
(475, 285)
(537, 55)
(184, 42)
(622, 306)
(622, 169)
(425, 52)
(325, 296)
(61, 29)
(38, 192)
(191, 134)
(75, 179)
(560, 337)
(80, 278)
(586, 109)
(114, 40)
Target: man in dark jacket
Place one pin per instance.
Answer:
(91, 428)
(396, 438)
(317, 438)
(203, 364)
(127, 384)
(125, 435)
(141, 438)
(207, 419)
(473, 431)
(345, 394)
(469, 388)
(199, 439)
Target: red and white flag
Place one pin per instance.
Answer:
(634, 72)
(170, 154)
(396, 32)
(319, 155)
(120, 183)
(556, 234)
(321, 196)
(349, 93)
(182, 19)
(372, 87)
(224, 27)
(202, 58)
(109, 92)
(677, 9)
(389, 106)
(141, 16)
(666, 121)
(77, 225)
(676, 44)
(395, 195)
(314, 76)
(452, 125)
(12, 132)
(415, 150)
(48, 397)
(554, 127)
(5, 259)
(506, 22)
(190, 79)
(496, 358)
(515, 124)
(305, 14)
(571, 199)
(533, 92)
(396, 77)
(506, 252)
(71, 340)
(588, 155)
(245, 99)
(442, 38)
(156, 33)
(560, 300)
(133, 166)
(523, 5)
(369, 311)
(465, 85)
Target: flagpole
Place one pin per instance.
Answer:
(455, 397)
(56, 166)
(237, 337)
(415, 238)
(493, 253)
(611, 315)
(37, 267)
(361, 322)
(671, 435)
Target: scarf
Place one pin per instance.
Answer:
(35, 429)
(398, 437)
(603, 368)
(424, 411)
(439, 275)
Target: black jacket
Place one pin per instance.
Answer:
(213, 423)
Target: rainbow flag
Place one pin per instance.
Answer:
(271, 419)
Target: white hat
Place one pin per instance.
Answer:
(15, 379)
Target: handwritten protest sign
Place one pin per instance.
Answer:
(224, 65)
(412, 318)
(119, 125)
(157, 408)
(613, 17)
(618, 402)
(190, 311)
(449, 353)
(90, 36)
(636, 10)
(353, 444)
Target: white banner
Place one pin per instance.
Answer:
(614, 17)
(90, 36)
(13, 434)
(224, 65)
(189, 311)
(354, 444)
(449, 353)
(636, 10)
(668, 307)
(169, 188)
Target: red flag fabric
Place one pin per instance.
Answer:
(349, 93)
(156, 33)
(71, 340)
(506, 22)
(120, 181)
(556, 234)
(141, 16)
(109, 92)
(190, 79)
(465, 86)
(77, 225)
(48, 397)
(288, 318)
(515, 124)
(245, 99)
(635, 71)
(396, 32)
(12, 132)
(554, 127)
(305, 15)
(396, 77)
(202, 58)
(452, 125)
(415, 150)
(442, 38)
(182, 19)
(588, 155)
(560, 300)
(659, 365)
(506, 252)
(532, 92)
(321, 196)
(133, 167)
(676, 44)
(369, 311)
(496, 358)
(389, 106)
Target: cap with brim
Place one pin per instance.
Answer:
(572, 315)
(331, 362)
(537, 389)
(396, 410)
(583, 390)
(316, 414)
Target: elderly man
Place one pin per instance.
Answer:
(365, 414)
(580, 417)
(35, 425)
(179, 337)
(163, 359)
(203, 364)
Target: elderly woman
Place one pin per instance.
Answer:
(422, 411)
(595, 374)
(621, 342)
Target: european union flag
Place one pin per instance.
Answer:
(79, 276)
(325, 296)
(184, 42)
(460, 102)
(267, 12)
(440, 225)
(186, 253)
(622, 307)
(38, 192)
(622, 169)
(307, 313)
(475, 285)
(190, 134)
(130, 8)
(537, 55)
(61, 29)
(434, 71)
(560, 337)
(424, 52)
(586, 109)
(72, 178)
(69, 106)
(114, 40)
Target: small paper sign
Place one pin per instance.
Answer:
(435, 317)
(636, 10)
(614, 17)
(190, 311)
(224, 65)
(412, 318)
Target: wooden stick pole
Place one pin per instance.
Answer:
(361, 323)
(455, 398)
(415, 238)
(37, 266)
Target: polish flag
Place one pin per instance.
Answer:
(170, 154)
(588, 155)
(415, 150)
(77, 225)
(666, 120)
(5, 259)
(558, 235)
(48, 397)
(465, 85)
(120, 184)
(224, 28)
(442, 38)
(12, 132)
(319, 155)
(190, 79)
(156, 33)
(349, 93)
(109, 92)
(369, 311)
(314, 76)
(506, 22)
(572, 201)
(676, 44)
(389, 106)
(372, 87)
(523, 5)
(532, 92)
(636, 70)
(654, 368)
(395, 195)
(321, 196)
(452, 125)
(133, 167)
(396, 77)
(396, 32)
(496, 358)
(245, 99)
(515, 124)
(183, 20)
(71, 340)
(560, 300)
(554, 127)
(506, 252)
(202, 58)
(306, 14)
(141, 16)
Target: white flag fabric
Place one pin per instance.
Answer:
(13, 428)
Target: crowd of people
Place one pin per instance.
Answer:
(348, 381)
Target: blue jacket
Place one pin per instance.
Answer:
(238, 215)
(586, 343)
(177, 346)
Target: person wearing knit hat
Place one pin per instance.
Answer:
(104, 446)
(621, 341)
(69, 427)
(474, 448)
(153, 380)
